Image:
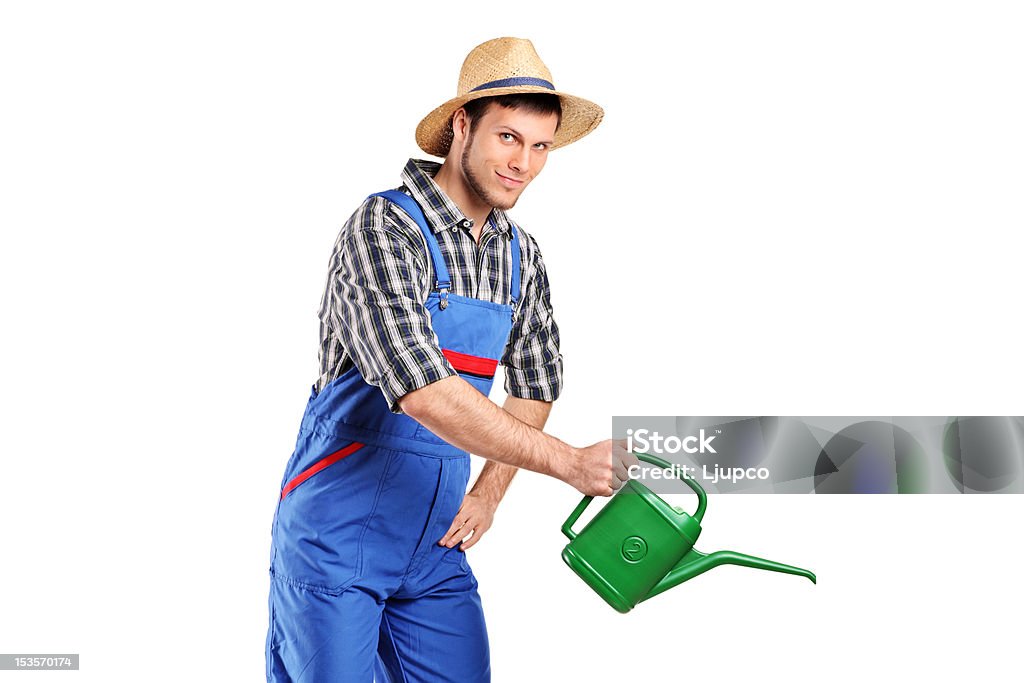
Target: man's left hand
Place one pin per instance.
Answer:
(474, 517)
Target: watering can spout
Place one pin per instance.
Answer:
(695, 563)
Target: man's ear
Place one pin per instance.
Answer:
(460, 125)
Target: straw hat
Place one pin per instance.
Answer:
(506, 66)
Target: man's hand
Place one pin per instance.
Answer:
(602, 469)
(474, 517)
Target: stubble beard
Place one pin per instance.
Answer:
(477, 185)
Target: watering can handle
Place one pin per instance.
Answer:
(702, 498)
(567, 527)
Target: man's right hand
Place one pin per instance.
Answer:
(601, 469)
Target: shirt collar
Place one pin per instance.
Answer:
(441, 212)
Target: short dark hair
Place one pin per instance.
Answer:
(532, 103)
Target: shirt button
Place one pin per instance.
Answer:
(467, 224)
(455, 228)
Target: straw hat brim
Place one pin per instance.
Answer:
(579, 117)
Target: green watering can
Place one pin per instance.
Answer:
(638, 545)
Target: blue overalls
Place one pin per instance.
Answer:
(358, 582)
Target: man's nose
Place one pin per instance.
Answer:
(520, 162)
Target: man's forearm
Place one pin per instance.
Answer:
(464, 417)
(495, 477)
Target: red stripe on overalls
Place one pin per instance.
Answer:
(474, 365)
(319, 465)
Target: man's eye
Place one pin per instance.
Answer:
(540, 145)
(507, 137)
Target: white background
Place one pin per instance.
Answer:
(791, 208)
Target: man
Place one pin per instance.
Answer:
(429, 287)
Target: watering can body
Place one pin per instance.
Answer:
(638, 546)
(630, 545)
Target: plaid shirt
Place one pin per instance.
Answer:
(372, 313)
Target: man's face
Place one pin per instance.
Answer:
(505, 150)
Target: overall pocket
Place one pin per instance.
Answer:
(322, 516)
(321, 464)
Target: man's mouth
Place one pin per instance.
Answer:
(509, 182)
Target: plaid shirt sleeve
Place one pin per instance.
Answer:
(374, 303)
(533, 364)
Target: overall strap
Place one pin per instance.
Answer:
(514, 288)
(443, 281)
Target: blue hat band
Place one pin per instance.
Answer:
(511, 82)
